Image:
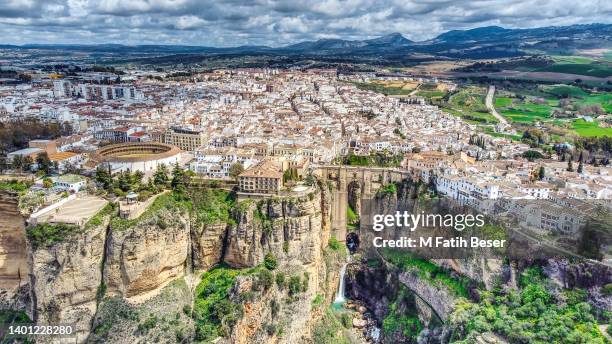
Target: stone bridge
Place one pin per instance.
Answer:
(367, 179)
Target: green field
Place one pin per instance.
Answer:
(528, 107)
(572, 59)
(565, 91)
(526, 111)
(605, 100)
(469, 104)
(599, 70)
(584, 128)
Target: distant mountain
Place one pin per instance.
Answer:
(482, 42)
(394, 40)
(496, 33)
(340, 46)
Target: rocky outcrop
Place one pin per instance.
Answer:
(65, 280)
(288, 227)
(374, 286)
(292, 230)
(439, 298)
(13, 248)
(208, 241)
(143, 258)
(489, 271)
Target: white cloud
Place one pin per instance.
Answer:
(273, 22)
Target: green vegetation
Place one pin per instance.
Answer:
(383, 88)
(428, 271)
(531, 155)
(469, 104)
(334, 244)
(45, 234)
(172, 203)
(270, 261)
(599, 70)
(97, 219)
(213, 312)
(212, 205)
(527, 110)
(587, 129)
(19, 187)
(402, 316)
(378, 159)
(9, 316)
(533, 314)
(112, 312)
(389, 189)
(565, 91)
(318, 300)
(329, 330)
(351, 216)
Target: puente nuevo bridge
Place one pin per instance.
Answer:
(366, 179)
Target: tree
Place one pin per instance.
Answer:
(270, 261)
(541, 173)
(103, 177)
(235, 170)
(160, 177)
(137, 178)
(47, 183)
(180, 179)
(17, 162)
(43, 162)
(27, 163)
(124, 182)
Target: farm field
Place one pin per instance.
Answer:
(390, 87)
(540, 105)
(469, 104)
(584, 128)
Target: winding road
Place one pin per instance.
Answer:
(489, 104)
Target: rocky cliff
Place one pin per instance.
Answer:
(290, 229)
(142, 258)
(13, 249)
(65, 279)
(124, 280)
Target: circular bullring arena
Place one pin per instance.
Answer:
(137, 156)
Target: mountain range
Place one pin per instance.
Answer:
(482, 42)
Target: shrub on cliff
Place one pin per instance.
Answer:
(270, 261)
(334, 244)
(45, 234)
(530, 314)
(213, 312)
(295, 285)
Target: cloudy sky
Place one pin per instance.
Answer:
(273, 22)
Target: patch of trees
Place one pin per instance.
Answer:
(478, 140)
(532, 155)
(15, 135)
(123, 182)
(531, 314)
(380, 159)
(595, 145)
(535, 137)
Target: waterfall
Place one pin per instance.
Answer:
(340, 294)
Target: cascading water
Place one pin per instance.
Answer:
(340, 294)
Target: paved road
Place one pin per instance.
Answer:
(489, 104)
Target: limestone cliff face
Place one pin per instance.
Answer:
(13, 248)
(290, 228)
(207, 243)
(65, 278)
(143, 258)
